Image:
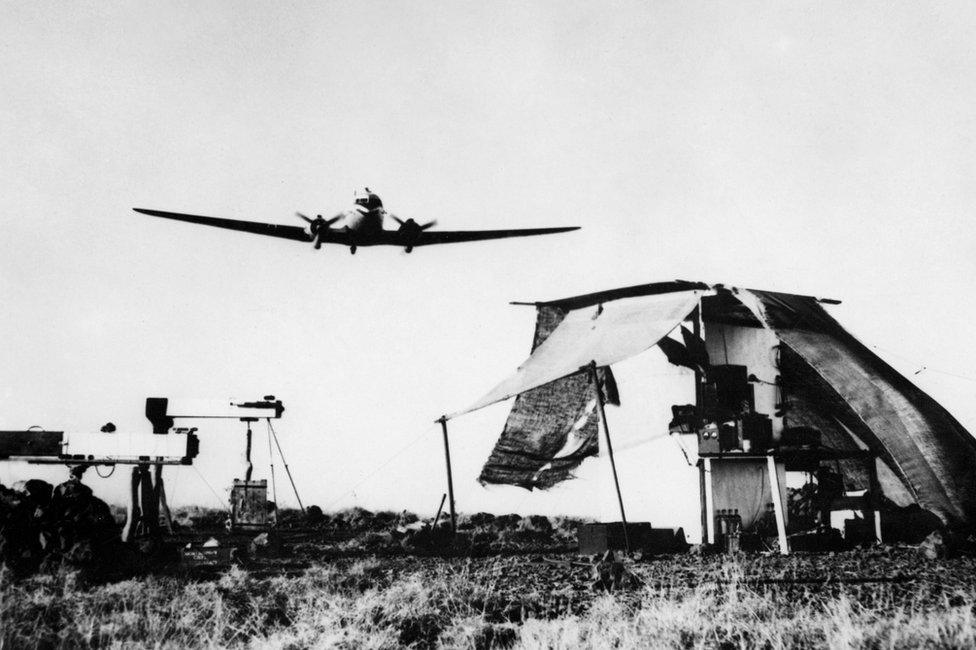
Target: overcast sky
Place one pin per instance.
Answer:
(821, 148)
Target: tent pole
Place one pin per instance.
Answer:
(709, 501)
(450, 478)
(696, 329)
(784, 548)
(606, 434)
(873, 491)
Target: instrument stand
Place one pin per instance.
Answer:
(147, 501)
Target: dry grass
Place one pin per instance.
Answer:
(371, 604)
(711, 617)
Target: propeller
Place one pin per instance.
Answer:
(318, 224)
(410, 230)
(319, 220)
(411, 225)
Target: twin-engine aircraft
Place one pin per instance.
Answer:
(360, 226)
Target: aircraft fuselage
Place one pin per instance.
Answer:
(366, 225)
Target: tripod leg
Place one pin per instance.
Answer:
(132, 512)
(161, 500)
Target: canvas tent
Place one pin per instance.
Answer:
(830, 382)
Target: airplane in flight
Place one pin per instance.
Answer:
(361, 226)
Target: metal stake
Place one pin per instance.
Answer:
(440, 509)
(606, 434)
(450, 478)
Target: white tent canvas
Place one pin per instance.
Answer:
(613, 327)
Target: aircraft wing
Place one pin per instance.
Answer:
(429, 237)
(271, 229)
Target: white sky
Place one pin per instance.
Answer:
(823, 148)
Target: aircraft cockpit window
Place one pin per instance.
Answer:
(368, 200)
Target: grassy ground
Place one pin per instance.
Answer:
(346, 584)
(505, 602)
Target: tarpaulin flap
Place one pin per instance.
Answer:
(932, 454)
(605, 334)
(586, 300)
(812, 402)
(550, 429)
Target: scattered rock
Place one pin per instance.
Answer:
(933, 547)
(507, 521)
(408, 518)
(314, 516)
(610, 574)
(265, 544)
(481, 519)
(355, 518)
(536, 524)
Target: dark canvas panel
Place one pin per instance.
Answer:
(811, 402)
(542, 419)
(923, 445)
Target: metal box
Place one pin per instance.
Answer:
(733, 392)
(249, 505)
(708, 442)
(758, 430)
(207, 556)
(728, 437)
(31, 443)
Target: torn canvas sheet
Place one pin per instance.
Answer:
(605, 333)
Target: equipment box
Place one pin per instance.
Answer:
(249, 505)
(596, 539)
(30, 443)
(207, 556)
